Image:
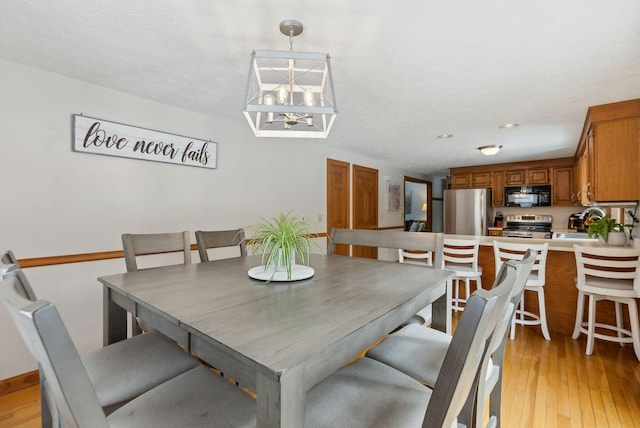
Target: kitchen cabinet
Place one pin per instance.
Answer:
(608, 154)
(562, 189)
(538, 176)
(497, 189)
(460, 181)
(515, 177)
(481, 180)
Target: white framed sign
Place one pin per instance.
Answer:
(91, 135)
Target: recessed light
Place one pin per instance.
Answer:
(444, 136)
(509, 126)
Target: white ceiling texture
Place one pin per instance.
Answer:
(405, 71)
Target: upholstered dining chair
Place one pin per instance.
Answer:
(503, 251)
(420, 352)
(194, 398)
(613, 274)
(149, 244)
(368, 393)
(220, 239)
(461, 257)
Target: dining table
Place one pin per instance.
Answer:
(276, 338)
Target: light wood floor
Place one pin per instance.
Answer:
(547, 384)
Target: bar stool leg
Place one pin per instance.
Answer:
(619, 321)
(591, 324)
(635, 325)
(543, 314)
(579, 315)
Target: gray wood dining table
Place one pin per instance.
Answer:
(278, 339)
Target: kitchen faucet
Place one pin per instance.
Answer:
(598, 210)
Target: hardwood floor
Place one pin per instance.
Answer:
(546, 384)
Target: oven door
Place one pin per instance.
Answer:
(515, 233)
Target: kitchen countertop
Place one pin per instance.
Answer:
(554, 244)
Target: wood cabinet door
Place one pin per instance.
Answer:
(562, 186)
(461, 181)
(481, 179)
(515, 177)
(538, 176)
(616, 160)
(497, 189)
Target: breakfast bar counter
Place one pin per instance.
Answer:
(561, 294)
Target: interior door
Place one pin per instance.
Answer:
(365, 206)
(338, 192)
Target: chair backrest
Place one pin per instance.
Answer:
(461, 252)
(8, 261)
(49, 342)
(395, 239)
(608, 263)
(154, 243)
(421, 258)
(9, 265)
(503, 251)
(219, 239)
(456, 378)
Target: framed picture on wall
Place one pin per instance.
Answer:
(393, 197)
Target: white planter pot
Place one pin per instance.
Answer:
(616, 239)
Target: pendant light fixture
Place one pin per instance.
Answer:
(290, 94)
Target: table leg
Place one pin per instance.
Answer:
(280, 403)
(114, 319)
(442, 310)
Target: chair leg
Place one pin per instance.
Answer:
(543, 314)
(512, 332)
(635, 326)
(619, 321)
(591, 324)
(579, 314)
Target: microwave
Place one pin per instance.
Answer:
(527, 196)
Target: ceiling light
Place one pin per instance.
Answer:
(445, 136)
(509, 126)
(290, 94)
(489, 150)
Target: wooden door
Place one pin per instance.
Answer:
(338, 192)
(365, 206)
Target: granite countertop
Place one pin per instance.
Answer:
(554, 244)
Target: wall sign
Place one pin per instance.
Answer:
(103, 137)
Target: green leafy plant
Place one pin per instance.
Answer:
(602, 226)
(279, 239)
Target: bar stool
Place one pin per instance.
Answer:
(508, 251)
(608, 273)
(420, 258)
(461, 257)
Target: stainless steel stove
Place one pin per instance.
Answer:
(528, 226)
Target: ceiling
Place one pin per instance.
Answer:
(404, 71)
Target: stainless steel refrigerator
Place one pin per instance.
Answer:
(467, 211)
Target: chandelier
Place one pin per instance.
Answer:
(290, 94)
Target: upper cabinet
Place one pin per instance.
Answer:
(608, 154)
(557, 172)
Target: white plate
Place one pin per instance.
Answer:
(298, 272)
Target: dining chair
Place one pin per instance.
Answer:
(419, 258)
(123, 370)
(503, 251)
(145, 244)
(148, 244)
(195, 398)
(461, 257)
(420, 352)
(220, 239)
(613, 274)
(368, 393)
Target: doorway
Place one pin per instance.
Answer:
(418, 205)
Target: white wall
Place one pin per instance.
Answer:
(59, 202)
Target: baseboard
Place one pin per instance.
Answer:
(21, 381)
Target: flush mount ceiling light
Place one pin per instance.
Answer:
(290, 94)
(489, 150)
(509, 126)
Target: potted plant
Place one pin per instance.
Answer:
(607, 229)
(279, 240)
